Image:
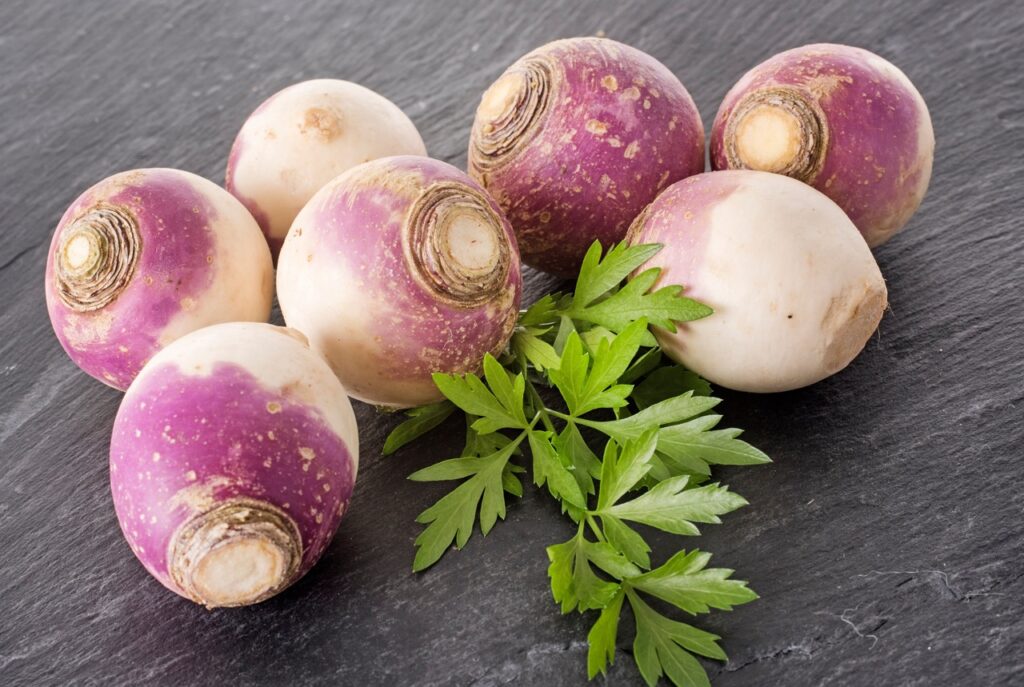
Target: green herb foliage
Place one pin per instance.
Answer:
(657, 437)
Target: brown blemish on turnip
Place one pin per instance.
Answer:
(322, 122)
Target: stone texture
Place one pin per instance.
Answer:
(886, 541)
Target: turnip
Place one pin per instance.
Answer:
(839, 118)
(796, 292)
(233, 458)
(146, 256)
(305, 135)
(575, 138)
(399, 268)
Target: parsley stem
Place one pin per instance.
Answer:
(538, 402)
(595, 528)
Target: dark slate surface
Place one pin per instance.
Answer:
(886, 540)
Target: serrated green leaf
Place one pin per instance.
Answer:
(548, 469)
(620, 471)
(509, 482)
(421, 420)
(507, 389)
(566, 328)
(667, 382)
(609, 559)
(542, 312)
(599, 275)
(574, 584)
(719, 447)
(662, 647)
(609, 362)
(669, 411)
(642, 366)
(483, 444)
(627, 540)
(685, 582)
(469, 393)
(453, 468)
(586, 466)
(671, 507)
(662, 308)
(452, 517)
(570, 377)
(602, 636)
(538, 352)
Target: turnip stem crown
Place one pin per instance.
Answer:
(456, 245)
(239, 553)
(778, 130)
(511, 111)
(97, 257)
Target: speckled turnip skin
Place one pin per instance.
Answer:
(880, 147)
(232, 410)
(346, 280)
(202, 260)
(796, 292)
(305, 135)
(618, 128)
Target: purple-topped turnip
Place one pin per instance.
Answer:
(233, 458)
(839, 118)
(795, 290)
(305, 135)
(146, 256)
(397, 269)
(575, 138)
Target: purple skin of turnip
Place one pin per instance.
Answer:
(796, 292)
(145, 257)
(575, 138)
(399, 268)
(232, 461)
(839, 118)
(305, 135)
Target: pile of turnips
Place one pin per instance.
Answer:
(235, 449)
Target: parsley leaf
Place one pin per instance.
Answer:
(600, 275)
(671, 507)
(500, 407)
(666, 382)
(421, 420)
(452, 517)
(602, 635)
(686, 582)
(662, 647)
(662, 308)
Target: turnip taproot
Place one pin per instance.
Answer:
(839, 118)
(575, 138)
(399, 268)
(233, 458)
(146, 256)
(795, 290)
(305, 135)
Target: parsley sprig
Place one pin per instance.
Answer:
(658, 438)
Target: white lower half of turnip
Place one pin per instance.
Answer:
(397, 269)
(233, 458)
(795, 290)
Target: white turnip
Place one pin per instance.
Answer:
(575, 138)
(841, 119)
(305, 135)
(232, 461)
(399, 268)
(796, 292)
(146, 256)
